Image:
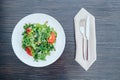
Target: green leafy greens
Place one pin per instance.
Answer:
(36, 37)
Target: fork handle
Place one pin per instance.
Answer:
(85, 48)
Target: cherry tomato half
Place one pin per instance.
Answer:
(52, 38)
(28, 30)
(29, 51)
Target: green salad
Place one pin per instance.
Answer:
(38, 40)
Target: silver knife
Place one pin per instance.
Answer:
(87, 36)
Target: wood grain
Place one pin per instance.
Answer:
(107, 14)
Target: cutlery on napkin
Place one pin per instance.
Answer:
(85, 38)
(84, 29)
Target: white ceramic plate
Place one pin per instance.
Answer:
(17, 39)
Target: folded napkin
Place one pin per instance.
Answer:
(79, 40)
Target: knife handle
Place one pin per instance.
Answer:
(85, 48)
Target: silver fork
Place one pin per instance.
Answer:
(83, 31)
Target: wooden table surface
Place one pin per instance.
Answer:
(107, 14)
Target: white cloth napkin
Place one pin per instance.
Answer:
(91, 42)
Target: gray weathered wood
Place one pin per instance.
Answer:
(107, 66)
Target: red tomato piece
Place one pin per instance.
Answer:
(29, 51)
(52, 38)
(28, 30)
